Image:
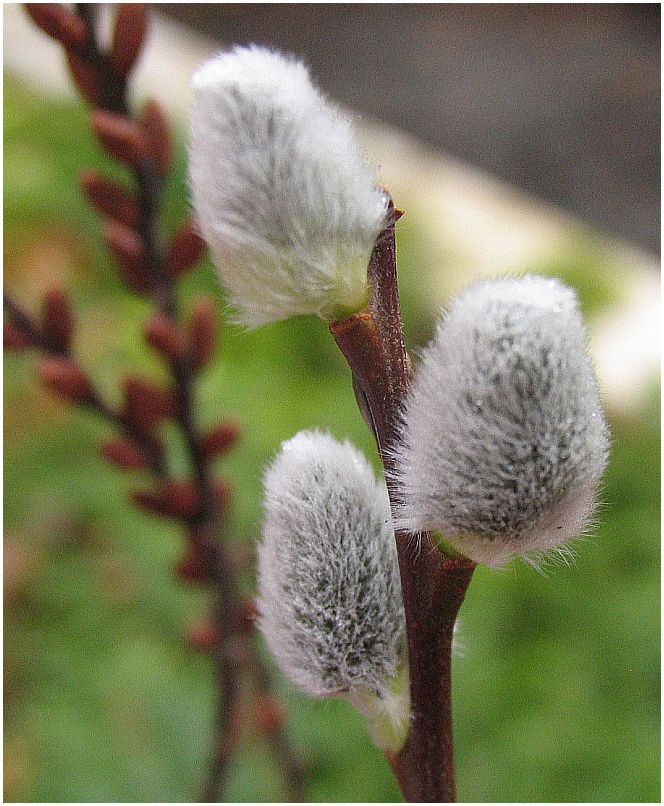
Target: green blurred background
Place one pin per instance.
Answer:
(557, 685)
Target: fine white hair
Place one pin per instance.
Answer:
(329, 587)
(281, 192)
(504, 440)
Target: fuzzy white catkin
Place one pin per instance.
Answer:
(281, 192)
(504, 440)
(329, 588)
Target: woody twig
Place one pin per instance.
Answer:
(151, 267)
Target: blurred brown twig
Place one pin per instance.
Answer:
(151, 267)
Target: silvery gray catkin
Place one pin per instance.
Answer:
(504, 440)
(281, 191)
(329, 587)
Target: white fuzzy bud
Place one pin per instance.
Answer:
(504, 439)
(280, 189)
(329, 587)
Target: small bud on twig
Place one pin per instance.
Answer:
(65, 377)
(130, 28)
(155, 125)
(110, 199)
(84, 76)
(57, 319)
(203, 635)
(120, 137)
(269, 715)
(185, 249)
(127, 248)
(193, 566)
(165, 335)
(13, 338)
(59, 22)
(123, 453)
(173, 499)
(202, 330)
(220, 439)
(145, 403)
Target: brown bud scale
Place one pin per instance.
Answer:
(59, 22)
(130, 28)
(220, 439)
(65, 377)
(120, 137)
(122, 453)
(110, 199)
(13, 338)
(185, 249)
(157, 131)
(202, 329)
(165, 336)
(145, 403)
(57, 319)
(85, 78)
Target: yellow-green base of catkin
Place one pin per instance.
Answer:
(386, 718)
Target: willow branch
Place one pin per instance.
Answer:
(433, 585)
(151, 267)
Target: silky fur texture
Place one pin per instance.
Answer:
(504, 440)
(281, 192)
(329, 587)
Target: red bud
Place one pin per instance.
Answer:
(122, 453)
(127, 248)
(85, 77)
(223, 494)
(185, 250)
(193, 566)
(59, 22)
(220, 439)
(248, 616)
(130, 28)
(162, 333)
(13, 338)
(57, 319)
(120, 137)
(202, 329)
(145, 403)
(269, 715)
(203, 635)
(175, 499)
(65, 377)
(157, 131)
(110, 199)
(181, 498)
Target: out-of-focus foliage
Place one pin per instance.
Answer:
(556, 691)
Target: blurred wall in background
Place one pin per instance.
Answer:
(562, 100)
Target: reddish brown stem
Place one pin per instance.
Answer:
(433, 585)
(148, 446)
(102, 76)
(205, 524)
